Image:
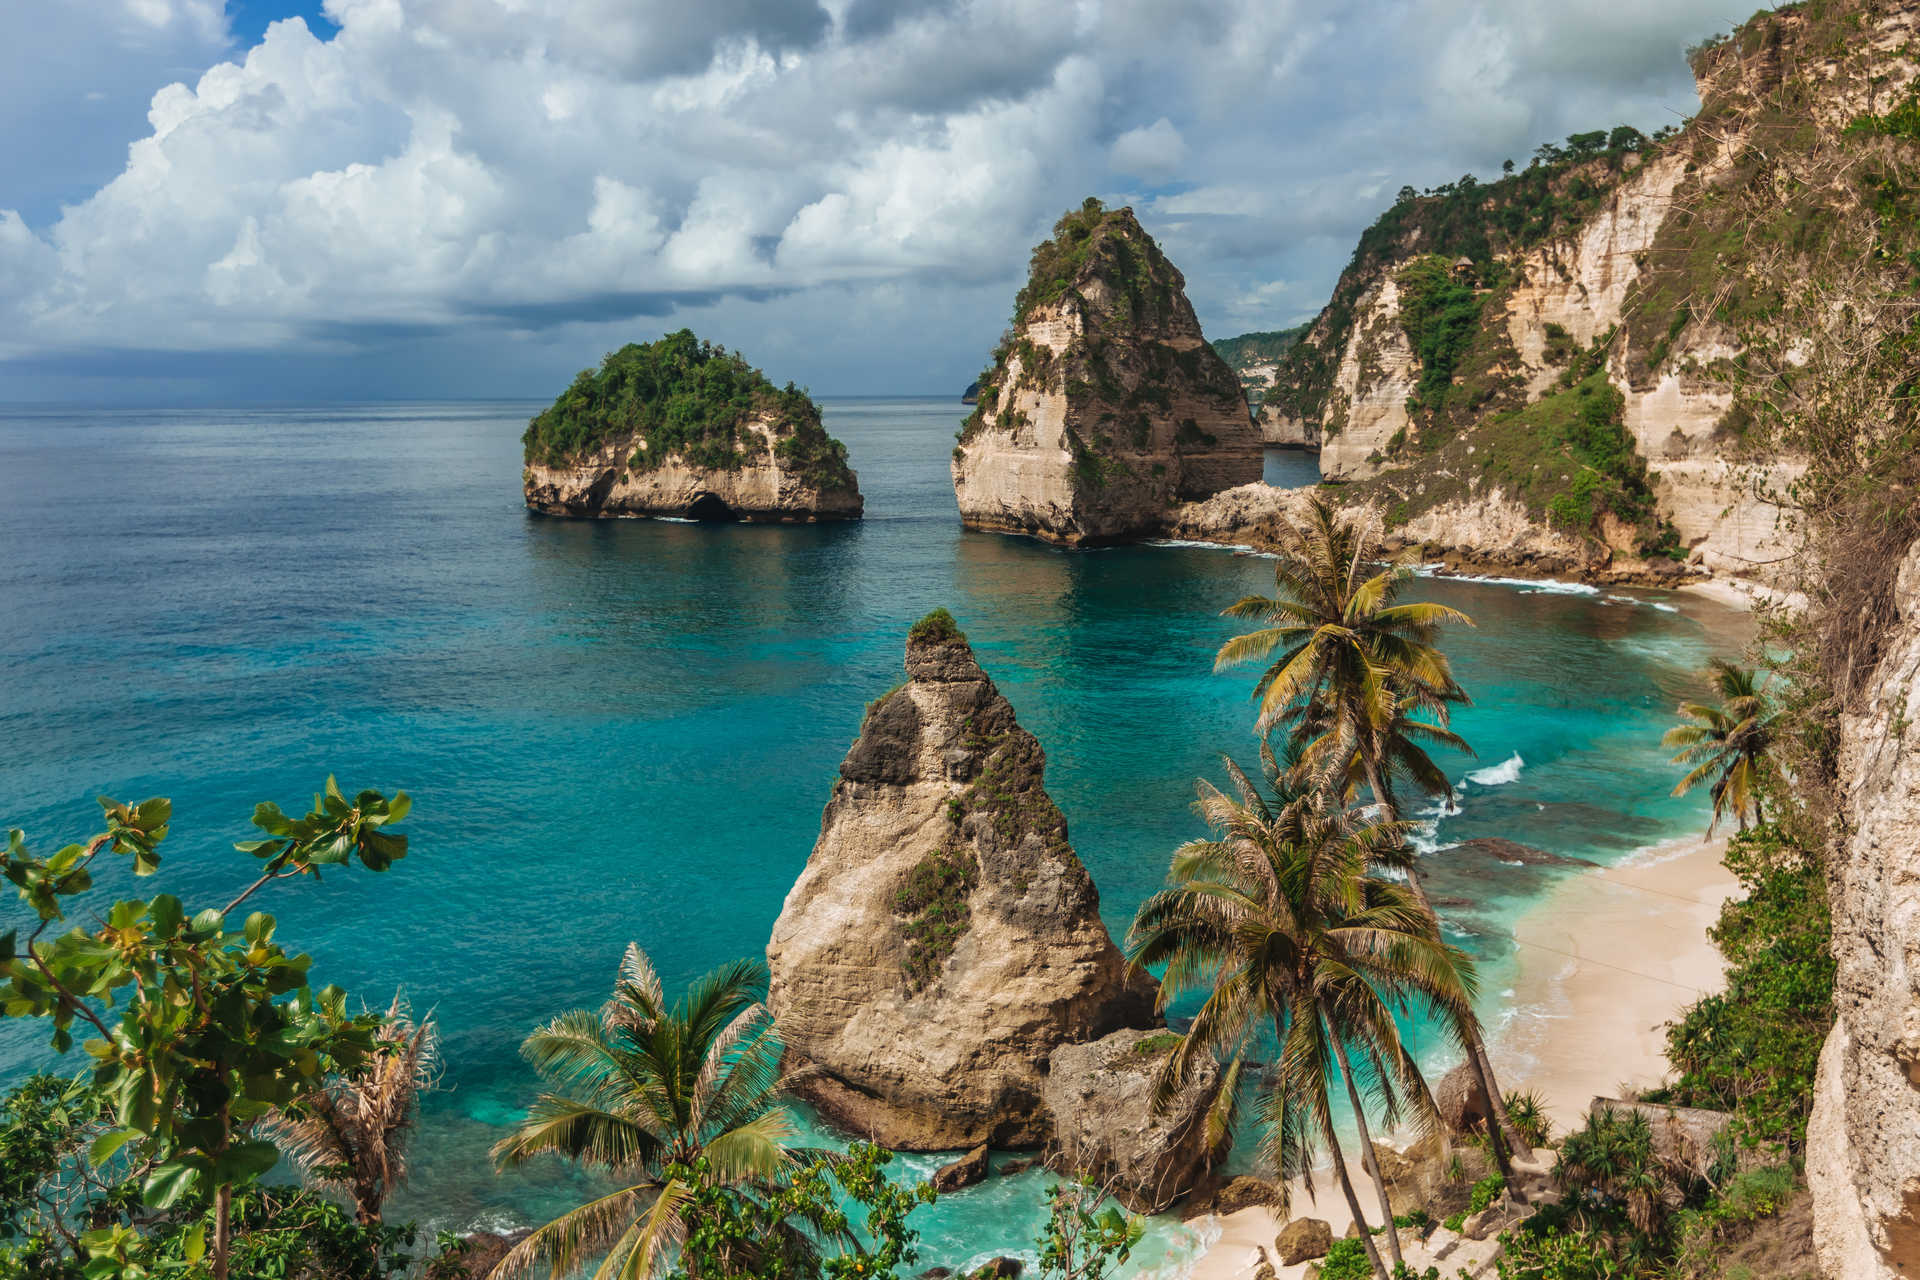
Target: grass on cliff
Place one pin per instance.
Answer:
(687, 397)
(937, 627)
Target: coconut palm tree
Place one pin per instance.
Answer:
(1278, 919)
(351, 1134)
(671, 1101)
(1349, 665)
(1729, 743)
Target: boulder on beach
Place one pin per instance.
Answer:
(1303, 1239)
(1100, 1098)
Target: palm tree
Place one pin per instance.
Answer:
(672, 1101)
(1349, 664)
(1728, 742)
(351, 1134)
(1279, 920)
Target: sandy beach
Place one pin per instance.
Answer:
(1605, 959)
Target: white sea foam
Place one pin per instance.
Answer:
(1498, 775)
(1528, 586)
(1665, 851)
(676, 520)
(1200, 544)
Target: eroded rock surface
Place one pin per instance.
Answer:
(1100, 1097)
(943, 942)
(1863, 1141)
(1105, 405)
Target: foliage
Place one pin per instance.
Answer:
(1085, 1238)
(350, 1133)
(1482, 221)
(1441, 314)
(1903, 121)
(1731, 742)
(203, 1030)
(809, 1217)
(1485, 1192)
(676, 1101)
(1256, 348)
(1529, 1116)
(933, 898)
(1753, 1048)
(62, 1217)
(1609, 1165)
(686, 397)
(938, 627)
(1346, 1260)
(1277, 919)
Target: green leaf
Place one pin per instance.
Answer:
(194, 1246)
(109, 1142)
(209, 921)
(399, 807)
(169, 1183)
(267, 817)
(245, 1161)
(167, 915)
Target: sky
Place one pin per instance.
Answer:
(308, 200)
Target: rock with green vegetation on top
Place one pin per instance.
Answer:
(684, 428)
(1104, 406)
(943, 940)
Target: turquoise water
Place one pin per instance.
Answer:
(625, 730)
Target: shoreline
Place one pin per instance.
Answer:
(1604, 960)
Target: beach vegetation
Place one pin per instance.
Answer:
(1350, 668)
(1729, 742)
(678, 1102)
(1753, 1048)
(1278, 920)
(1527, 1112)
(202, 1032)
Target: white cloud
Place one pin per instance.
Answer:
(464, 166)
(1154, 153)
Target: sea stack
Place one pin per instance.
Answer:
(1104, 405)
(684, 428)
(943, 940)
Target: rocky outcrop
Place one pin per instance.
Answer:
(1104, 405)
(1483, 533)
(943, 943)
(1287, 430)
(1863, 1141)
(1461, 1099)
(761, 489)
(1100, 1098)
(1302, 1240)
(687, 429)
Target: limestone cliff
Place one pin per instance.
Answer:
(1104, 404)
(943, 940)
(1582, 334)
(1863, 1142)
(682, 428)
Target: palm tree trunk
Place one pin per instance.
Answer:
(1353, 1203)
(1502, 1138)
(1369, 1161)
(222, 1230)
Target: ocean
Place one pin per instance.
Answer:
(625, 730)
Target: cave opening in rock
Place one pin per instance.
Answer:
(709, 507)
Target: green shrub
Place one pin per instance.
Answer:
(1753, 1049)
(1158, 1042)
(1440, 315)
(933, 897)
(1529, 1117)
(937, 627)
(1454, 1221)
(1346, 1260)
(1485, 1192)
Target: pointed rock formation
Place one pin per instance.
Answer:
(943, 940)
(1104, 406)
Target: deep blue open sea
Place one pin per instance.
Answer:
(625, 730)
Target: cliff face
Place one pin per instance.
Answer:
(943, 940)
(683, 428)
(760, 489)
(1598, 336)
(1104, 405)
(1863, 1141)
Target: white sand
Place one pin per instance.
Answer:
(1605, 960)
